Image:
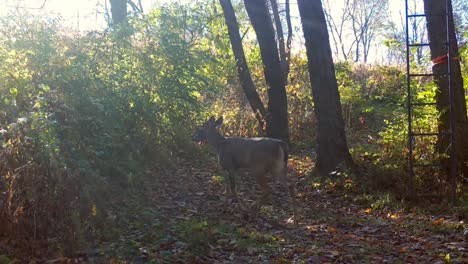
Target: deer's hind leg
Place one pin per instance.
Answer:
(261, 175)
(280, 174)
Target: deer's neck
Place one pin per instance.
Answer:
(216, 141)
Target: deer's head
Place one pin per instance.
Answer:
(208, 130)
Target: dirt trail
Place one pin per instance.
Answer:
(199, 226)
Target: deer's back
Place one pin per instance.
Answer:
(251, 153)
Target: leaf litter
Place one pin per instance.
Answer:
(193, 221)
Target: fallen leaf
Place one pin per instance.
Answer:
(393, 216)
(438, 221)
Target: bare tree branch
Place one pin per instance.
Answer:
(29, 7)
(337, 23)
(289, 37)
(367, 18)
(136, 8)
(280, 36)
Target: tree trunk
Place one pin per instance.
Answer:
(284, 61)
(118, 11)
(241, 63)
(332, 148)
(277, 125)
(288, 38)
(437, 31)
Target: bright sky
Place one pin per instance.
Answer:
(88, 14)
(78, 14)
(84, 15)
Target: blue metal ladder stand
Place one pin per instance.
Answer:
(410, 105)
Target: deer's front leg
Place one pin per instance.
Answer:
(232, 187)
(232, 183)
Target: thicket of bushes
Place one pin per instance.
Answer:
(82, 116)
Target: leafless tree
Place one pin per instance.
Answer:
(395, 37)
(284, 48)
(136, 7)
(338, 21)
(20, 5)
(367, 20)
(354, 26)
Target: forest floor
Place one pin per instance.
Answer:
(189, 220)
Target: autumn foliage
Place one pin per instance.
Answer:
(95, 142)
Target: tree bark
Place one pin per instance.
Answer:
(241, 63)
(437, 31)
(332, 147)
(284, 60)
(118, 11)
(277, 125)
(288, 38)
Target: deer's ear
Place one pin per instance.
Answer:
(219, 122)
(211, 120)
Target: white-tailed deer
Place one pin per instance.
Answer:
(261, 156)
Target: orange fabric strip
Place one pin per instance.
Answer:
(440, 59)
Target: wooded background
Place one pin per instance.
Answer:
(89, 117)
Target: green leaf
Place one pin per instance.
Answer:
(14, 91)
(44, 87)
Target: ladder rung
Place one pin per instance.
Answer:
(429, 165)
(417, 15)
(430, 134)
(424, 15)
(425, 74)
(418, 44)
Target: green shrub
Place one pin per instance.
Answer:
(82, 117)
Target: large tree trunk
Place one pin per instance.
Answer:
(241, 63)
(332, 148)
(437, 30)
(277, 126)
(118, 11)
